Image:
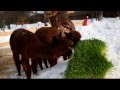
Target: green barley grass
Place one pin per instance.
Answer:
(89, 60)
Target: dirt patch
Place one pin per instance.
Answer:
(6, 63)
(10, 32)
(6, 33)
(4, 44)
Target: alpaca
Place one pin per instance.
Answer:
(26, 44)
(60, 20)
(46, 34)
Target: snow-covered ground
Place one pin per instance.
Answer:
(107, 30)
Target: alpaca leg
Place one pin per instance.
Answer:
(26, 67)
(55, 61)
(17, 62)
(52, 62)
(34, 65)
(45, 62)
(40, 63)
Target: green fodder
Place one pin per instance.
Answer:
(89, 60)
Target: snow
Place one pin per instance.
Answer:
(55, 72)
(25, 26)
(107, 30)
(4, 39)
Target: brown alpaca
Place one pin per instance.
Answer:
(26, 44)
(75, 37)
(60, 20)
(46, 35)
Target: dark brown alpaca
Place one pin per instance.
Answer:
(60, 20)
(46, 34)
(26, 44)
(74, 36)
